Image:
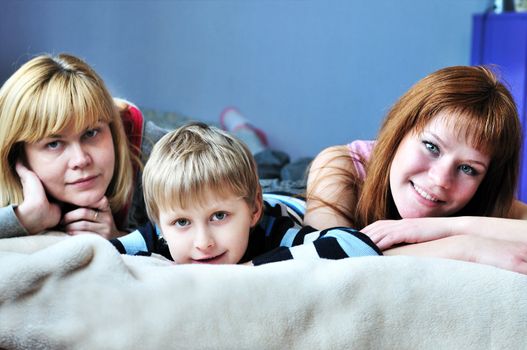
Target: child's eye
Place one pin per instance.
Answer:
(53, 145)
(219, 216)
(467, 169)
(432, 148)
(181, 222)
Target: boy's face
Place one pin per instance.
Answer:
(213, 232)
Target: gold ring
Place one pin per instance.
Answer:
(95, 215)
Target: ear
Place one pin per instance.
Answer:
(257, 208)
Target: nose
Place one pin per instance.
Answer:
(203, 239)
(441, 173)
(79, 156)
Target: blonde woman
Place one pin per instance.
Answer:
(66, 160)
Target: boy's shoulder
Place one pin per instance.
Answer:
(284, 205)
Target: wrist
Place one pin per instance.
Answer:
(464, 247)
(23, 215)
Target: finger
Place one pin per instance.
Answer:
(81, 214)
(30, 181)
(75, 230)
(83, 225)
(383, 243)
(21, 170)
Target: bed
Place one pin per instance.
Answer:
(61, 292)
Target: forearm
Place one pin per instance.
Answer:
(453, 247)
(490, 227)
(10, 225)
(500, 253)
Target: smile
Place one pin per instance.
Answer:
(425, 194)
(209, 259)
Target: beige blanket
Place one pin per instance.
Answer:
(79, 293)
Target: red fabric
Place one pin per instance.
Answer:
(133, 127)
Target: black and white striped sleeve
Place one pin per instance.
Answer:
(139, 242)
(332, 243)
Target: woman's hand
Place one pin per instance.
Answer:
(387, 233)
(97, 219)
(35, 213)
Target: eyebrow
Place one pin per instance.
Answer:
(472, 161)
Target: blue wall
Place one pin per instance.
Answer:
(311, 73)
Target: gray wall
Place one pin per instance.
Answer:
(311, 73)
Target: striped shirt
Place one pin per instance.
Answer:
(278, 236)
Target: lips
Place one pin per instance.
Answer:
(209, 259)
(83, 180)
(425, 194)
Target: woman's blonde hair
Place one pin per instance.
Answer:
(194, 160)
(489, 119)
(45, 96)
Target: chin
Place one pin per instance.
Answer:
(84, 200)
(409, 213)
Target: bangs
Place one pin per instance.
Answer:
(488, 133)
(189, 180)
(482, 109)
(66, 100)
(193, 185)
(482, 133)
(187, 197)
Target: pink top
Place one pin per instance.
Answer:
(360, 150)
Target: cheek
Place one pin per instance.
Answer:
(405, 166)
(46, 173)
(465, 192)
(175, 245)
(106, 155)
(239, 241)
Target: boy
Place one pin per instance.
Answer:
(203, 196)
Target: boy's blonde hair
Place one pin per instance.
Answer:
(45, 96)
(189, 162)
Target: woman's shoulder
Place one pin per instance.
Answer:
(361, 147)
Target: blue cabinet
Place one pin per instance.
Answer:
(501, 40)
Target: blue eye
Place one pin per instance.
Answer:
(53, 144)
(467, 169)
(219, 216)
(432, 148)
(181, 222)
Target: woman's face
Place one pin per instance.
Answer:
(74, 167)
(436, 172)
